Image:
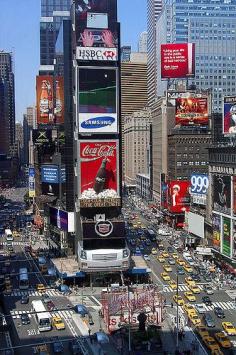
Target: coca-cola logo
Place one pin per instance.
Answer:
(104, 228)
(90, 153)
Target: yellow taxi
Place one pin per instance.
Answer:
(165, 276)
(41, 288)
(194, 319)
(58, 323)
(15, 234)
(190, 296)
(175, 255)
(139, 223)
(202, 331)
(187, 268)
(154, 251)
(223, 340)
(211, 343)
(179, 300)
(181, 262)
(229, 328)
(189, 308)
(189, 281)
(167, 268)
(161, 259)
(195, 289)
(173, 284)
(165, 254)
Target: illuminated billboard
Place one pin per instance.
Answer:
(177, 60)
(178, 196)
(222, 193)
(50, 174)
(62, 219)
(226, 235)
(199, 187)
(229, 115)
(31, 182)
(97, 107)
(99, 173)
(191, 111)
(41, 137)
(234, 195)
(216, 229)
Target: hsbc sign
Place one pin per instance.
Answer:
(93, 53)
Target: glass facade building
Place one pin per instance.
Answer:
(211, 26)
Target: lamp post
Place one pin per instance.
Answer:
(177, 313)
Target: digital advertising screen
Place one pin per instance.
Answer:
(216, 227)
(58, 218)
(177, 60)
(178, 196)
(234, 195)
(31, 182)
(199, 184)
(85, 8)
(50, 174)
(222, 193)
(41, 137)
(234, 239)
(229, 115)
(97, 100)
(226, 234)
(191, 111)
(99, 172)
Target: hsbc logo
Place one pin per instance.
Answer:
(93, 53)
(104, 228)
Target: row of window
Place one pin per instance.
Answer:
(191, 163)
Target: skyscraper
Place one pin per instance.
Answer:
(153, 10)
(213, 30)
(142, 43)
(7, 102)
(52, 14)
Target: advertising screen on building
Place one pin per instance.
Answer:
(31, 182)
(97, 100)
(99, 173)
(229, 115)
(103, 229)
(178, 196)
(199, 184)
(61, 219)
(226, 233)
(234, 239)
(177, 60)
(41, 137)
(50, 104)
(222, 193)
(234, 195)
(50, 174)
(191, 111)
(216, 228)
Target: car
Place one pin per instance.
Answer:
(202, 331)
(57, 347)
(207, 300)
(195, 277)
(181, 262)
(208, 289)
(165, 254)
(201, 308)
(165, 276)
(190, 296)
(148, 242)
(229, 328)
(209, 320)
(179, 300)
(50, 306)
(161, 247)
(146, 257)
(171, 261)
(195, 289)
(58, 323)
(170, 250)
(24, 319)
(187, 268)
(175, 256)
(154, 251)
(180, 270)
(41, 288)
(24, 299)
(211, 343)
(173, 284)
(219, 312)
(167, 268)
(194, 318)
(207, 278)
(189, 308)
(223, 340)
(189, 281)
(161, 259)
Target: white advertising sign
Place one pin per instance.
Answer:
(97, 53)
(98, 123)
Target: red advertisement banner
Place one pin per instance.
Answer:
(179, 197)
(191, 111)
(177, 60)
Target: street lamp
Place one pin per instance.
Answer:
(177, 313)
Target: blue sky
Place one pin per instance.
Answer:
(19, 33)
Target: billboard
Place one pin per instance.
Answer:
(195, 224)
(41, 137)
(31, 182)
(177, 60)
(199, 184)
(226, 234)
(105, 228)
(97, 100)
(50, 174)
(178, 196)
(61, 219)
(222, 193)
(234, 239)
(90, 53)
(50, 100)
(99, 173)
(192, 111)
(234, 195)
(216, 228)
(229, 115)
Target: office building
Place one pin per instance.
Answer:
(29, 123)
(153, 10)
(142, 43)
(213, 31)
(125, 52)
(7, 102)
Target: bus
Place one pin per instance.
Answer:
(23, 279)
(43, 317)
(9, 235)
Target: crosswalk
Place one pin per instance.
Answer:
(226, 305)
(18, 293)
(66, 314)
(181, 287)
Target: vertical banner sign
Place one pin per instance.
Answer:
(234, 195)
(226, 232)
(216, 226)
(222, 193)
(234, 239)
(31, 182)
(179, 196)
(229, 115)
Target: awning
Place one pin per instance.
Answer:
(140, 271)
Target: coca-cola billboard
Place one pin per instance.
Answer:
(99, 173)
